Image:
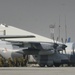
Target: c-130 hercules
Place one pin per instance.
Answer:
(45, 53)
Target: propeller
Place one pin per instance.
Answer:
(64, 46)
(58, 46)
(61, 47)
(55, 45)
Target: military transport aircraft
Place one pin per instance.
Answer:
(45, 53)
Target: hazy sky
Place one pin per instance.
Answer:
(37, 15)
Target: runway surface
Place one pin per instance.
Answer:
(37, 71)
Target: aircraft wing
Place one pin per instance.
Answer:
(16, 36)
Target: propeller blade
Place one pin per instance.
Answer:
(61, 47)
(55, 45)
(64, 46)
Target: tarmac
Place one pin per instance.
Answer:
(37, 71)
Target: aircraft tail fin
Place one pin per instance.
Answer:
(69, 39)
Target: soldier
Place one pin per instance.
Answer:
(1, 62)
(15, 62)
(10, 62)
(22, 61)
(19, 61)
(25, 60)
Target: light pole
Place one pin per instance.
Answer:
(65, 31)
(52, 27)
(59, 29)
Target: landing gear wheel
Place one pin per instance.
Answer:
(49, 65)
(42, 65)
(56, 65)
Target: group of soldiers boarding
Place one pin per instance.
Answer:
(16, 62)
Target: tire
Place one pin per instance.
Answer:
(56, 64)
(42, 65)
(49, 65)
